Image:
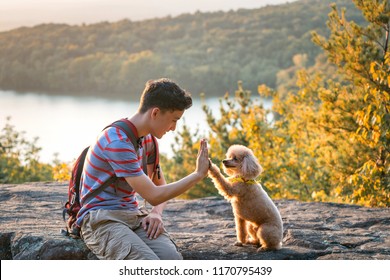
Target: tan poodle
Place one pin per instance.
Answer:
(257, 219)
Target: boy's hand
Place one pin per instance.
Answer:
(202, 162)
(153, 225)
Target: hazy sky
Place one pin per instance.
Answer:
(16, 13)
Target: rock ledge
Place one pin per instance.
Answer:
(31, 221)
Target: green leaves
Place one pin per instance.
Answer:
(19, 158)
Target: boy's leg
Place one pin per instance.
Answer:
(113, 240)
(162, 246)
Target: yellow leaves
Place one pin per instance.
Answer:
(375, 136)
(319, 195)
(61, 172)
(380, 72)
(265, 91)
(337, 191)
(372, 70)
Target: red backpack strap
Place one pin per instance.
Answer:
(156, 168)
(79, 171)
(129, 129)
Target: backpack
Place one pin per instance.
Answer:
(72, 206)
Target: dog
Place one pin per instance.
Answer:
(258, 221)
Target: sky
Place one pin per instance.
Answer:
(17, 13)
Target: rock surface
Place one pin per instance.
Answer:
(31, 221)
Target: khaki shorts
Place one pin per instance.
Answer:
(118, 235)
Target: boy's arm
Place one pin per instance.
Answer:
(156, 195)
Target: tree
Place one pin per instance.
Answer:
(357, 108)
(19, 158)
(329, 137)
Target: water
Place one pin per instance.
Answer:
(66, 125)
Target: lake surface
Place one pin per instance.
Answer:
(66, 125)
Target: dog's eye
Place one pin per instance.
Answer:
(234, 158)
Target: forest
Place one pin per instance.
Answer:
(204, 52)
(329, 135)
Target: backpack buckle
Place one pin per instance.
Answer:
(72, 201)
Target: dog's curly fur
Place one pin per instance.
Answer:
(257, 219)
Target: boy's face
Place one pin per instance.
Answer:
(165, 121)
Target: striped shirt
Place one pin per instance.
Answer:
(113, 153)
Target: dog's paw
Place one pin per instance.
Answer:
(261, 249)
(253, 243)
(213, 169)
(265, 249)
(238, 244)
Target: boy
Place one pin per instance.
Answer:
(113, 225)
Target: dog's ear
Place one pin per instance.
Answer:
(250, 167)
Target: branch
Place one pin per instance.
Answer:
(387, 40)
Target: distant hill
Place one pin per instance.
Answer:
(203, 52)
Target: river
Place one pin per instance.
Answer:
(65, 125)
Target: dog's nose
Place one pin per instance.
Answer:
(224, 161)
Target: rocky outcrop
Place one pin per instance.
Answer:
(31, 221)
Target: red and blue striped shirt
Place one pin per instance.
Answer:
(113, 154)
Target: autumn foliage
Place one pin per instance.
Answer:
(326, 139)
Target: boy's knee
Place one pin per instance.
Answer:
(170, 255)
(139, 254)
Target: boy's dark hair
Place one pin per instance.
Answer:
(166, 95)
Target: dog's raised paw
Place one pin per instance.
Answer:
(213, 168)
